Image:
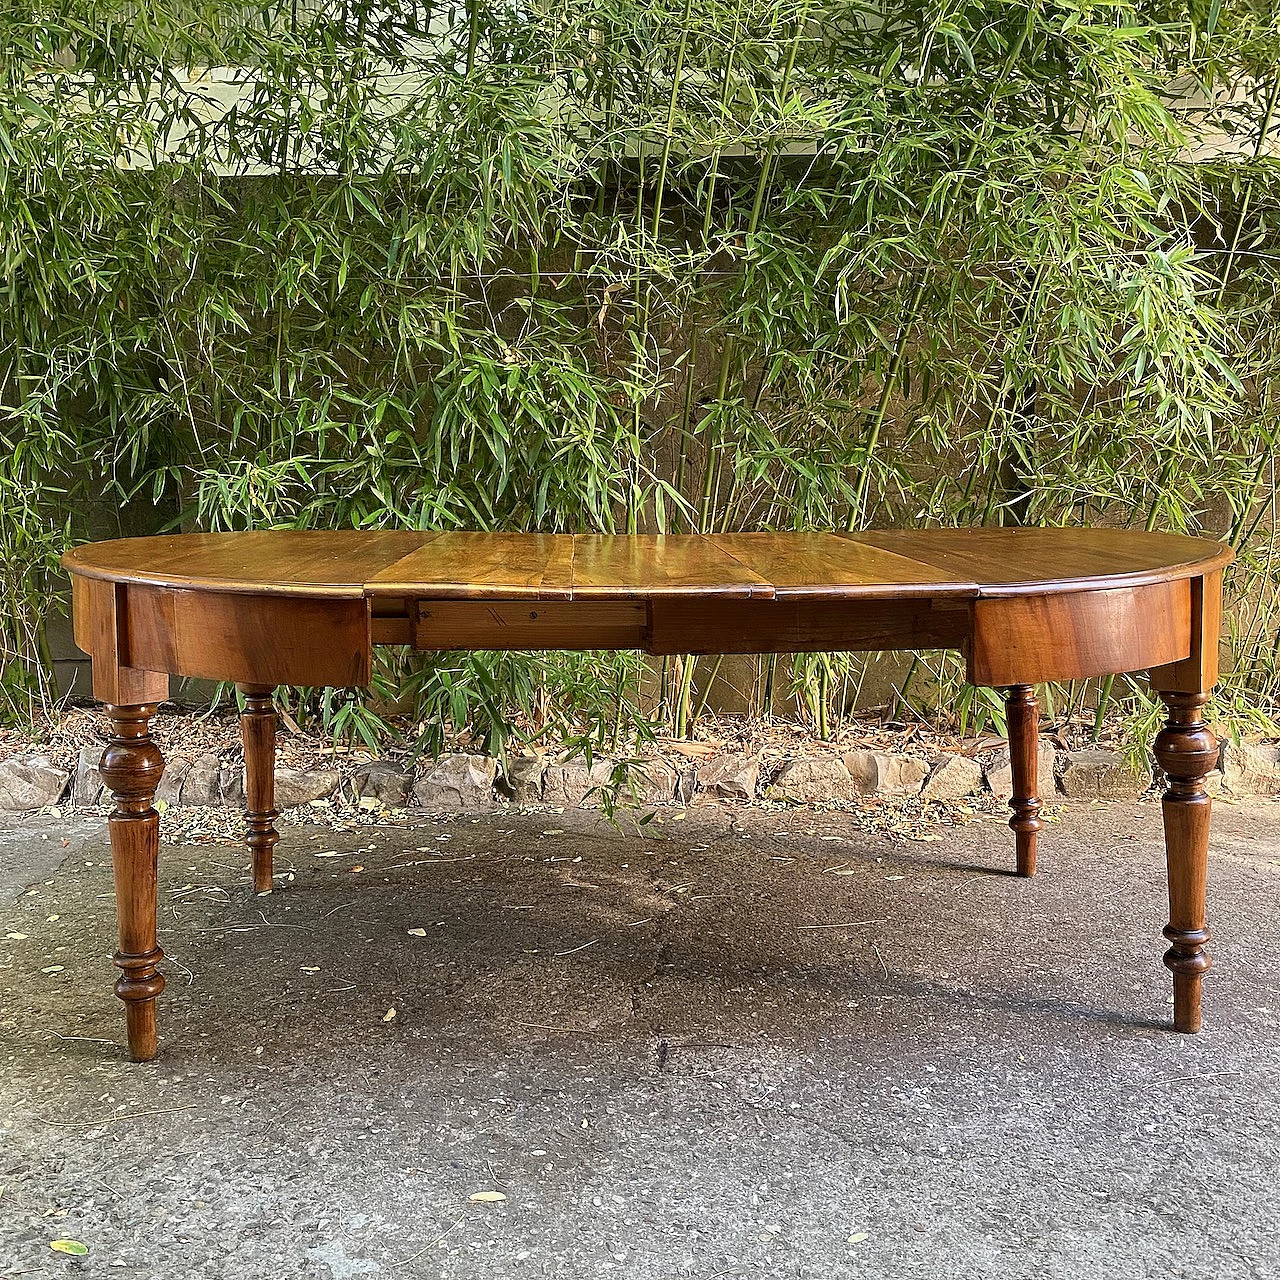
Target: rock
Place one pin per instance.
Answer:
(1101, 775)
(169, 792)
(522, 779)
(729, 776)
(1000, 773)
(686, 784)
(863, 768)
(953, 778)
(571, 782)
(212, 780)
(650, 782)
(31, 782)
(296, 787)
(885, 774)
(458, 781)
(902, 775)
(86, 791)
(231, 782)
(1251, 769)
(384, 782)
(815, 780)
(203, 781)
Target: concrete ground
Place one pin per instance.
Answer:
(741, 1044)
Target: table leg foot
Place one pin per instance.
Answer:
(138, 986)
(1022, 714)
(1186, 751)
(131, 768)
(258, 733)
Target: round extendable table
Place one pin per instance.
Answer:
(276, 607)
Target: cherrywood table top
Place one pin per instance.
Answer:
(876, 564)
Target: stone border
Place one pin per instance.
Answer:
(461, 782)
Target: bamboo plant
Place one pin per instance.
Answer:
(638, 265)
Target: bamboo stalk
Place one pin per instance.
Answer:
(727, 353)
(1265, 128)
(912, 310)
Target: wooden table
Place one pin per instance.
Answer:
(283, 607)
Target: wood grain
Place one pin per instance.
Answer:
(824, 566)
(131, 768)
(1072, 635)
(1020, 561)
(797, 625)
(262, 562)
(117, 679)
(83, 613)
(530, 624)
(258, 734)
(1023, 718)
(249, 639)
(492, 566)
(1199, 670)
(647, 565)
(1186, 750)
(467, 565)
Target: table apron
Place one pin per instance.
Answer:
(255, 639)
(787, 624)
(275, 639)
(1076, 634)
(668, 624)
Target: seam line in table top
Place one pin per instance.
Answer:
(771, 588)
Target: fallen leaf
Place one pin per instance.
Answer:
(390, 1015)
(417, 933)
(16, 937)
(692, 749)
(52, 918)
(69, 1246)
(487, 1197)
(53, 968)
(859, 1236)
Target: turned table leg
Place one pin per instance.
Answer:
(1022, 713)
(131, 768)
(1186, 750)
(258, 733)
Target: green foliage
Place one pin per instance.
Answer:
(632, 265)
